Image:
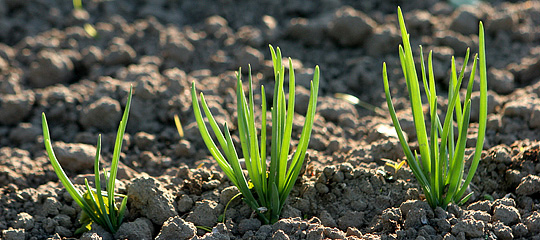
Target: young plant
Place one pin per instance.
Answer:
(272, 184)
(440, 168)
(97, 206)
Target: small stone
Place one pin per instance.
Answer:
(119, 53)
(63, 231)
(384, 40)
(350, 27)
(185, 203)
(502, 232)
(351, 219)
(24, 221)
(14, 234)
(533, 222)
(331, 109)
(520, 230)
(529, 185)
(470, 227)
(184, 149)
(333, 233)
(51, 207)
(141, 228)
(144, 140)
(75, 156)
(50, 67)
(501, 81)
(15, 107)
(205, 213)
(97, 232)
(309, 32)
(502, 21)
(280, 235)
(481, 206)
(250, 224)
(517, 108)
(249, 56)
(176, 228)
(506, 214)
(534, 120)
(151, 199)
(315, 233)
(103, 114)
(215, 24)
(457, 42)
(327, 219)
(465, 20)
(91, 56)
(227, 194)
(49, 225)
(250, 35)
(63, 220)
(25, 133)
(477, 215)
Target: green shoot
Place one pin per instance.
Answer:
(222, 217)
(395, 165)
(440, 168)
(97, 206)
(272, 184)
(178, 126)
(77, 4)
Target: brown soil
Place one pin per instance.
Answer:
(50, 64)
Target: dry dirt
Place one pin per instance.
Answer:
(50, 64)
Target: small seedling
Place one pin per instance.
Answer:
(395, 165)
(178, 126)
(440, 168)
(88, 28)
(272, 184)
(97, 206)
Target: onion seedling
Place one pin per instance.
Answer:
(97, 206)
(440, 167)
(272, 184)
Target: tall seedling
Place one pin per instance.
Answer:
(440, 168)
(97, 206)
(272, 184)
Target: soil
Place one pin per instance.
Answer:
(50, 64)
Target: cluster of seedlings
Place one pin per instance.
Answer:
(271, 175)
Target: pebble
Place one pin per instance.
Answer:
(529, 185)
(75, 156)
(471, 228)
(14, 234)
(151, 199)
(501, 81)
(384, 40)
(141, 228)
(464, 20)
(350, 27)
(205, 213)
(119, 53)
(103, 114)
(507, 214)
(177, 47)
(176, 228)
(533, 222)
(50, 67)
(15, 107)
(24, 221)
